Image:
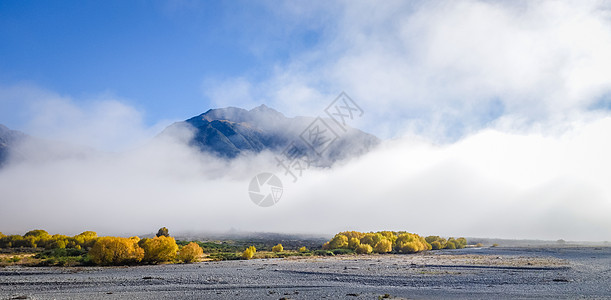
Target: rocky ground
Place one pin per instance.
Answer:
(569, 272)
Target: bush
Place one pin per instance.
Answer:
(411, 243)
(364, 249)
(191, 252)
(436, 245)
(342, 251)
(278, 248)
(85, 239)
(372, 239)
(303, 249)
(249, 252)
(158, 249)
(323, 253)
(461, 243)
(353, 243)
(115, 251)
(383, 246)
(37, 233)
(338, 241)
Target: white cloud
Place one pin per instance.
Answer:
(103, 122)
(447, 68)
(508, 83)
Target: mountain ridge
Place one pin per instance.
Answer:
(232, 131)
(224, 132)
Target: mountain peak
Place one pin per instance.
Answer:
(231, 131)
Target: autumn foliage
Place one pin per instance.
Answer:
(390, 241)
(159, 249)
(249, 252)
(115, 251)
(278, 248)
(190, 253)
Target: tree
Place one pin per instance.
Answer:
(163, 232)
(303, 249)
(383, 246)
(371, 239)
(278, 248)
(249, 252)
(190, 253)
(159, 249)
(85, 239)
(436, 245)
(353, 243)
(11, 241)
(364, 249)
(411, 243)
(337, 242)
(37, 233)
(115, 251)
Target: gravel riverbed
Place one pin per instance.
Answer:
(566, 273)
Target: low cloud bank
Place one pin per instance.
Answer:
(550, 182)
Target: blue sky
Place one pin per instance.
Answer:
(439, 69)
(153, 54)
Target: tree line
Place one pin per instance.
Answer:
(109, 250)
(390, 241)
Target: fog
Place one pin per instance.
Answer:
(495, 119)
(543, 184)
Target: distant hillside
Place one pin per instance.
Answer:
(8, 139)
(230, 132)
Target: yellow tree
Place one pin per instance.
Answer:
(353, 243)
(159, 249)
(338, 241)
(383, 246)
(191, 252)
(364, 249)
(411, 243)
(249, 252)
(371, 239)
(115, 251)
(278, 248)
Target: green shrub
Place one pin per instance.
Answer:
(436, 245)
(342, 251)
(323, 253)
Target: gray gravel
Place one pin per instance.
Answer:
(565, 273)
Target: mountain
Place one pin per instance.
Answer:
(20, 147)
(230, 132)
(8, 139)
